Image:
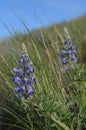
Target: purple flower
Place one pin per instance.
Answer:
(31, 64)
(74, 52)
(31, 70)
(74, 47)
(26, 59)
(21, 60)
(64, 60)
(23, 88)
(20, 95)
(15, 70)
(64, 67)
(74, 58)
(17, 89)
(66, 44)
(64, 51)
(68, 53)
(24, 76)
(27, 67)
(25, 81)
(30, 90)
(17, 80)
(32, 79)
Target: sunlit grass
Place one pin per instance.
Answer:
(50, 108)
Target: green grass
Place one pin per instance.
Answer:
(52, 107)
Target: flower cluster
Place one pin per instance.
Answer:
(68, 53)
(24, 75)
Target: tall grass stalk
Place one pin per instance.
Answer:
(49, 109)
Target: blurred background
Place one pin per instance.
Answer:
(37, 13)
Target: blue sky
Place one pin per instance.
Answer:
(37, 13)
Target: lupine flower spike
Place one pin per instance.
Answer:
(68, 53)
(24, 75)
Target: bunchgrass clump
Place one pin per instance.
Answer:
(59, 98)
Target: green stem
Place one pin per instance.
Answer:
(59, 123)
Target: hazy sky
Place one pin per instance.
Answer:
(36, 13)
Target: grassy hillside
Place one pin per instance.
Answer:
(54, 34)
(59, 99)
